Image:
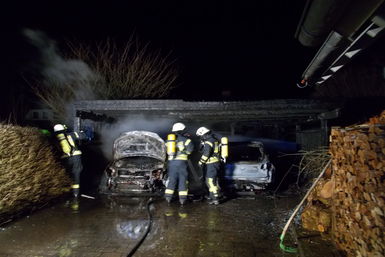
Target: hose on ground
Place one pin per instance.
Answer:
(149, 215)
(282, 237)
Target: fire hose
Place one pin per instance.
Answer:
(282, 237)
(149, 215)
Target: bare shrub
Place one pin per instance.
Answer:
(127, 71)
(106, 71)
(59, 97)
(310, 165)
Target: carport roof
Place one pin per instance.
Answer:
(274, 110)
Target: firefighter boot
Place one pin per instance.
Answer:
(75, 205)
(169, 211)
(168, 200)
(75, 192)
(214, 201)
(182, 202)
(182, 213)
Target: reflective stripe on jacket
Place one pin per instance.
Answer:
(210, 151)
(184, 147)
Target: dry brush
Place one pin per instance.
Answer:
(30, 174)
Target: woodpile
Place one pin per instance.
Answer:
(317, 214)
(353, 197)
(30, 173)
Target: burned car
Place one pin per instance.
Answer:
(248, 167)
(138, 163)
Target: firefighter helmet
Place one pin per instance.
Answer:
(202, 131)
(59, 127)
(178, 127)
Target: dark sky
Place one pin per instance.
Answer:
(247, 47)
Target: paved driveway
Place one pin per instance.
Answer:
(111, 227)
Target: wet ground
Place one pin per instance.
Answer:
(112, 226)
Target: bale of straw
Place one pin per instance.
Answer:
(30, 172)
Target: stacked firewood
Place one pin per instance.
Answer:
(350, 204)
(359, 194)
(317, 214)
(30, 172)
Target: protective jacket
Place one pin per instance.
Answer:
(184, 147)
(177, 168)
(211, 157)
(210, 150)
(72, 156)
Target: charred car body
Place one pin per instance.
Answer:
(248, 167)
(138, 163)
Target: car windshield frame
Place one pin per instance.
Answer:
(246, 152)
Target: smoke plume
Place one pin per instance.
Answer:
(109, 133)
(74, 77)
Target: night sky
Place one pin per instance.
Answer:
(246, 47)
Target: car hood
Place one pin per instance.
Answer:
(139, 143)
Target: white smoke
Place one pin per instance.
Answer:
(54, 66)
(60, 72)
(109, 133)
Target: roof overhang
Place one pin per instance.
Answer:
(349, 26)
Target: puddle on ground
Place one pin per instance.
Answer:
(112, 225)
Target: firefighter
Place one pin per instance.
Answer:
(71, 153)
(210, 161)
(179, 147)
